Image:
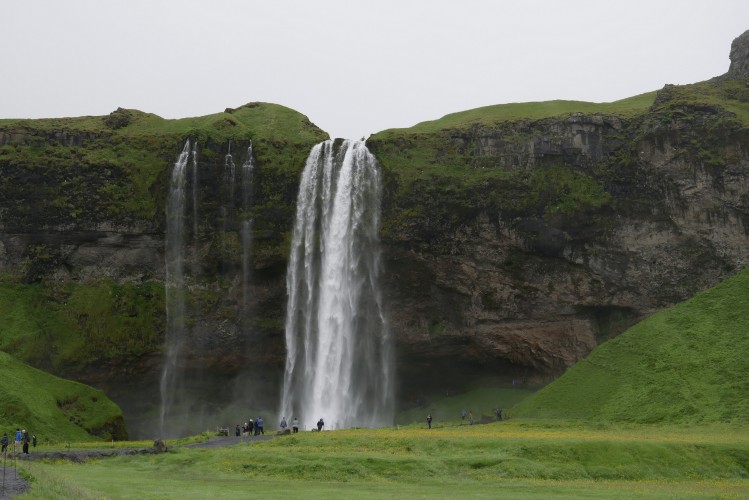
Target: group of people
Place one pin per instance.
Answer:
(22, 441)
(257, 427)
(469, 415)
(251, 428)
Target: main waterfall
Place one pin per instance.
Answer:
(339, 363)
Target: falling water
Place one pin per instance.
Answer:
(195, 235)
(230, 178)
(247, 169)
(175, 294)
(339, 351)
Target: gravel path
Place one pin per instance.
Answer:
(13, 484)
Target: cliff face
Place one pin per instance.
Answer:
(516, 238)
(515, 247)
(82, 239)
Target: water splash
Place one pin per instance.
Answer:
(175, 290)
(339, 351)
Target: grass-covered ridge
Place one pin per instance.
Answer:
(87, 170)
(731, 95)
(686, 364)
(53, 408)
(489, 115)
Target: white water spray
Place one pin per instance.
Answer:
(339, 352)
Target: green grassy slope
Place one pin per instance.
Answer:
(53, 408)
(686, 364)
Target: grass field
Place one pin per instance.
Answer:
(513, 459)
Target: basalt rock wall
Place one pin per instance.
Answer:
(571, 229)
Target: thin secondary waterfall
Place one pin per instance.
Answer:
(175, 290)
(230, 178)
(339, 352)
(195, 234)
(247, 170)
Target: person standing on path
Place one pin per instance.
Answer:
(283, 424)
(19, 438)
(429, 420)
(295, 425)
(4, 441)
(259, 424)
(26, 441)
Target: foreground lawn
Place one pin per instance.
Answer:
(509, 459)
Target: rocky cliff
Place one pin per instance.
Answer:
(516, 238)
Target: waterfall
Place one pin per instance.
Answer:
(195, 235)
(247, 170)
(175, 291)
(339, 351)
(230, 177)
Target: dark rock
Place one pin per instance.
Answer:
(739, 57)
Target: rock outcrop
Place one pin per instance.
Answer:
(739, 57)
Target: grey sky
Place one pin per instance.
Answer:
(352, 67)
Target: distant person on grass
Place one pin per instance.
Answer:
(259, 426)
(498, 413)
(283, 424)
(19, 438)
(33, 440)
(26, 441)
(320, 425)
(470, 417)
(4, 442)
(463, 415)
(295, 425)
(429, 420)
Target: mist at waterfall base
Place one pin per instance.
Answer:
(339, 364)
(193, 399)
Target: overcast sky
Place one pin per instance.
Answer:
(353, 67)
